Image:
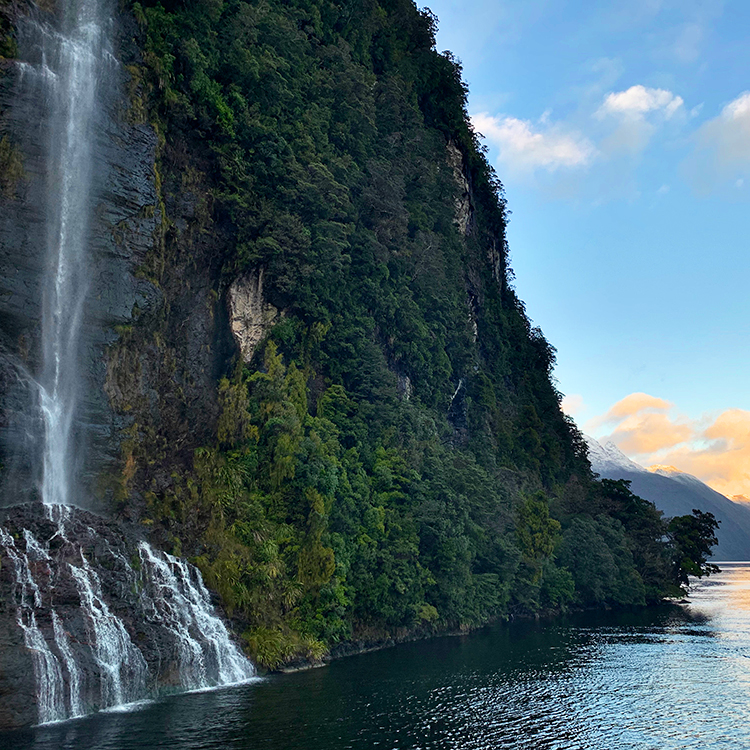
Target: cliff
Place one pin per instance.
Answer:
(308, 371)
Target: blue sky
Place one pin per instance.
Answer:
(621, 132)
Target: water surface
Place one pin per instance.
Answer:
(671, 677)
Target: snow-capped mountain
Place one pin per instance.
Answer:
(676, 493)
(609, 457)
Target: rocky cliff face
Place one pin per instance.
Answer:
(251, 316)
(464, 208)
(123, 230)
(402, 401)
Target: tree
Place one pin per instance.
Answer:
(692, 537)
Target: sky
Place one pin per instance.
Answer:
(621, 132)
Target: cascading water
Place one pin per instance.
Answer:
(107, 619)
(71, 58)
(178, 597)
(104, 618)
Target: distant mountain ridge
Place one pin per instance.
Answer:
(676, 494)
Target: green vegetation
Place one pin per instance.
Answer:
(693, 538)
(11, 168)
(7, 40)
(394, 461)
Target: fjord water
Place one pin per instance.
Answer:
(671, 677)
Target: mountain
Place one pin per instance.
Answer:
(676, 494)
(298, 361)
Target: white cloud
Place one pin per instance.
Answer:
(723, 146)
(637, 111)
(638, 101)
(524, 147)
(729, 133)
(573, 404)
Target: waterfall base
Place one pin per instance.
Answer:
(91, 617)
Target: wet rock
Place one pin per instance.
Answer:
(463, 207)
(404, 387)
(17, 685)
(106, 618)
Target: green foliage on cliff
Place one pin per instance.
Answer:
(395, 459)
(7, 41)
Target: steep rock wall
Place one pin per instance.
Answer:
(124, 224)
(251, 316)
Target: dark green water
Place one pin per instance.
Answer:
(672, 677)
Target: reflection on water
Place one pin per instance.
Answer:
(671, 677)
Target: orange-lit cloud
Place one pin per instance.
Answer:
(650, 431)
(631, 405)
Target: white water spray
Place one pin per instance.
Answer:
(84, 653)
(72, 55)
(122, 668)
(177, 596)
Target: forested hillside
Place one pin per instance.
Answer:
(387, 455)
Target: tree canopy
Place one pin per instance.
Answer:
(394, 460)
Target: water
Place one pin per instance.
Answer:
(65, 57)
(122, 668)
(667, 678)
(178, 598)
(75, 53)
(100, 637)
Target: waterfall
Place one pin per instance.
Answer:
(66, 54)
(28, 597)
(104, 618)
(122, 668)
(74, 673)
(139, 625)
(178, 597)
(75, 54)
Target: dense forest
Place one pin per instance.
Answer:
(391, 459)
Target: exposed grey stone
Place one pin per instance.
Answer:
(463, 205)
(250, 316)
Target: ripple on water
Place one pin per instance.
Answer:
(666, 679)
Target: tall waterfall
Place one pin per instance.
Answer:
(72, 56)
(65, 55)
(102, 618)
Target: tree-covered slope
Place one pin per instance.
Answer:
(391, 458)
